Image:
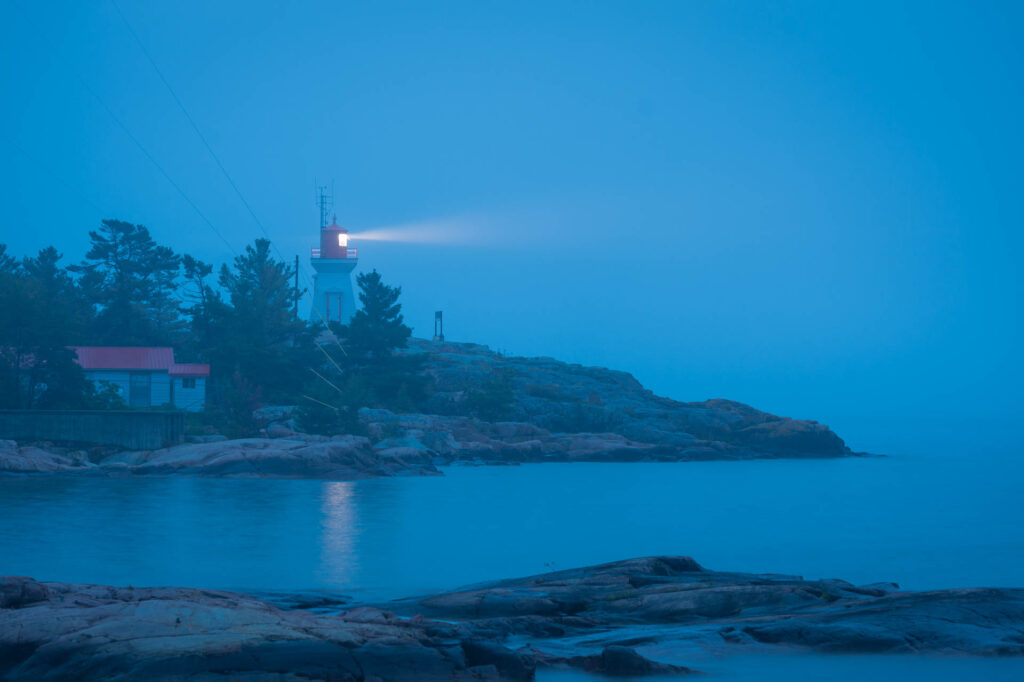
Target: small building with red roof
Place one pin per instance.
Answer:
(146, 376)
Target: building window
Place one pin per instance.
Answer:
(188, 382)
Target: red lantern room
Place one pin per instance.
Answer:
(334, 242)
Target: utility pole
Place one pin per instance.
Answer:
(296, 287)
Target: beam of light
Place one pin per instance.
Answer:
(458, 230)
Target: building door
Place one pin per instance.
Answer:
(333, 304)
(140, 385)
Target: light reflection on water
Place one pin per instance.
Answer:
(338, 511)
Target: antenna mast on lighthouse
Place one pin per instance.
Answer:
(325, 201)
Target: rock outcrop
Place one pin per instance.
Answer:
(453, 439)
(543, 410)
(338, 458)
(673, 600)
(35, 460)
(550, 410)
(635, 617)
(58, 631)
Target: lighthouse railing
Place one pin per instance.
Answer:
(349, 253)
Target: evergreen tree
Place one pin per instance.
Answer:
(378, 329)
(41, 313)
(7, 264)
(196, 274)
(254, 334)
(68, 307)
(132, 280)
(206, 311)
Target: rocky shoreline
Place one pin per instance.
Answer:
(633, 617)
(552, 412)
(338, 458)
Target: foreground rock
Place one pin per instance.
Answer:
(674, 601)
(634, 617)
(339, 458)
(59, 631)
(82, 632)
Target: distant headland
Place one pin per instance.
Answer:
(478, 407)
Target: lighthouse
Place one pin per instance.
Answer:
(333, 263)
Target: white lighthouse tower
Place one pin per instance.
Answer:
(333, 263)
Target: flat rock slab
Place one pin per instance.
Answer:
(634, 617)
(53, 631)
(674, 599)
(338, 458)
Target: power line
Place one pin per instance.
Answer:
(160, 168)
(191, 121)
(134, 139)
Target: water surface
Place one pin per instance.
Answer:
(922, 522)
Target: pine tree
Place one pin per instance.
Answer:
(254, 332)
(7, 264)
(132, 280)
(260, 292)
(206, 310)
(41, 314)
(67, 307)
(378, 329)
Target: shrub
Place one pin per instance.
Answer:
(493, 400)
(328, 421)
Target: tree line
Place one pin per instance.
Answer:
(240, 318)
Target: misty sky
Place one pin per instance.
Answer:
(811, 207)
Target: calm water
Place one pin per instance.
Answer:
(940, 522)
(923, 521)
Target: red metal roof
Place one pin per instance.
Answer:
(124, 357)
(189, 370)
(136, 358)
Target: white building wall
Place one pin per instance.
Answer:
(191, 399)
(160, 389)
(332, 283)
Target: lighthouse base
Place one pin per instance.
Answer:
(333, 296)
